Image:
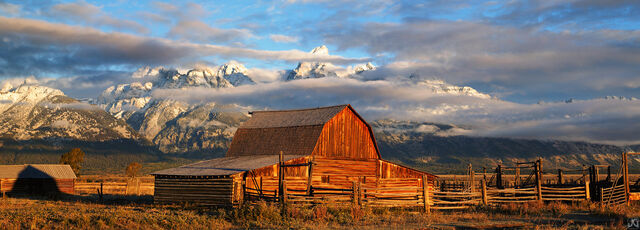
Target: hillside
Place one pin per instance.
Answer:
(433, 150)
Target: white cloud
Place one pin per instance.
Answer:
(597, 120)
(195, 30)
(10, 9)
(97, 48)
(93, 15)
(283, 38)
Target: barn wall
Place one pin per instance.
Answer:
(267, 177)
(391, 170)
(345, 136)
(332, 173)
(336, 174)
(35, 185)
(194, 190)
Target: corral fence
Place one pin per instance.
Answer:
(114, 185)
(421, 196)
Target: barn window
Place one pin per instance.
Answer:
(325, 179)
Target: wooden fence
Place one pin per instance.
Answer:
(421, 196)
(574, 193)
(115, 186)
(511, 195)
(613, 195)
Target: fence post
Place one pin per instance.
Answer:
(625, 175)
(126, 186)
(586, 190)
(539, 181)
(517, 179)
(540, 169)
(360, 193)
(559, 176)
(309, 179)
(283, 201)
(499, 177)
(601, 197)
(355, 194)
(484, 173)
(280, 175)
(484, 193)
(425, 194)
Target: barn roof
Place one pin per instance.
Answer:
(225, 165)
(289, 131)
(291, 118)
(39, 171)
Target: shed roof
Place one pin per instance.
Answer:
(225, 165)
(39, 171)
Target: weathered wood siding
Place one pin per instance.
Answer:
(391, 170)
(43, 186)
(345, 136)
(216, 191)
(266, 178)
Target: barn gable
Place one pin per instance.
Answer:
(346, 136)
(329, 132)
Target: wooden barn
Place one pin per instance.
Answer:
(323, 148)
(37, 179)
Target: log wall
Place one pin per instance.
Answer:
(204, 191)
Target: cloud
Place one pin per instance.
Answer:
(92, 15)
(10, 9)
(522, 62)
(283, 38)
(30, 47)
(198, 31)
(152, 17)
(595, 120)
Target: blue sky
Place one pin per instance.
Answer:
(522, 51)
(526, 58)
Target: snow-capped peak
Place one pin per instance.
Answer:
(235, 73)
(232, 67)
(147, 72)
(313, 69)
(26, 93)
(441, 87)
(321, 50)
(364, 67)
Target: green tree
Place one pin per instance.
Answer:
(73, 158)
(133, 169)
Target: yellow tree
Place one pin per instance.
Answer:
(73, 158)
(133, 168)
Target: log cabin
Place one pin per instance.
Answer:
(44, 179)
(318, 148)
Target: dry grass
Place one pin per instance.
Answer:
(119, 212)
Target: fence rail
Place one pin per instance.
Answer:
(613, 195)
(115, 186)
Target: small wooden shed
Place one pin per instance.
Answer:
(329, 147)
(37, 179)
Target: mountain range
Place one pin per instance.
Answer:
(129, 120)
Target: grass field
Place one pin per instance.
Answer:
(139, 212)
